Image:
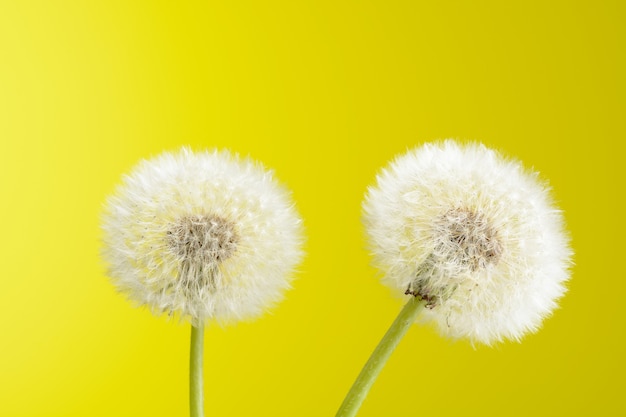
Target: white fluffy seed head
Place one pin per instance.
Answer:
(202, 235)
(473, 234)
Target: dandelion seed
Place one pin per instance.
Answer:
(205, 236)
(201, 235)
(474, 234)
(472, 237)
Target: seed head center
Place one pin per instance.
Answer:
(466, 238)
(465, 241)
(203, 240)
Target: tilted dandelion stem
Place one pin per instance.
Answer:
(196, 397)
(379, 357)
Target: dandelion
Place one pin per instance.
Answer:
(202, 236)
(472, 238)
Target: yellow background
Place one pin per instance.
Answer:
(324, 93)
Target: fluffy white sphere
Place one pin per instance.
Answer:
(473, 234)
(201, 235)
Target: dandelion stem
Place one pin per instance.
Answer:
(196, 397)
(379, 357)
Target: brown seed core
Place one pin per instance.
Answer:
(467, 238)
(465, 241)
(203, 240)
(202, 243)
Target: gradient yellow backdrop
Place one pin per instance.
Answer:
(324, 93)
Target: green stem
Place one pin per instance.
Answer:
(381, 354)
(196, 400)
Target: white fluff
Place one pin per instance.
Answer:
(473, 234)
(202, 235)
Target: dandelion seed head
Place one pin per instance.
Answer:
(474, 234)
(202, 235)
